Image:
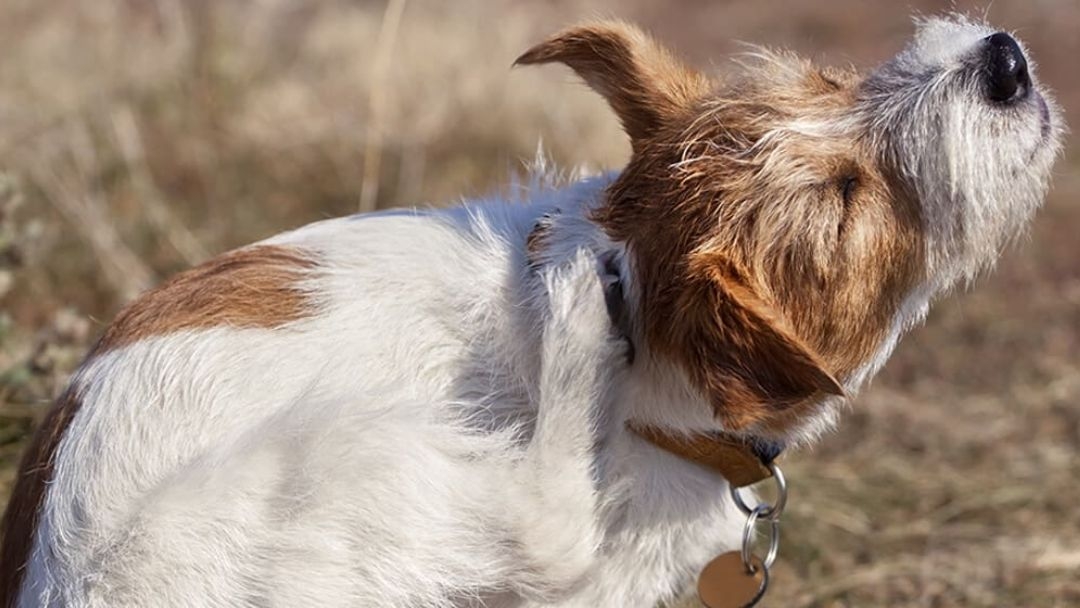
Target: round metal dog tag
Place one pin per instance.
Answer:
(725, 583)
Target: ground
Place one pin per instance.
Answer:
(139, 137)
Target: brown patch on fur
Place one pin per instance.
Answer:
(247, 288)
(643, 82)
(771, 260)
(21, 517)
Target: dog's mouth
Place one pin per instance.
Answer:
(1046, 127)
(1045, 122)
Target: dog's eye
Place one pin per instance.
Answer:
(847, 195)
(832, 82)
(847, 190)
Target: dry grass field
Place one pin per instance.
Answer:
(138, 137)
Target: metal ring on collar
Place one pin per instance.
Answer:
(772, 512)
(748, 539)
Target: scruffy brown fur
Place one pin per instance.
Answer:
(768, 300)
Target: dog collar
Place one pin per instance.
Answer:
(736, 578)
(741, 462)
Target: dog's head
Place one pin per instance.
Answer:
(787, 224)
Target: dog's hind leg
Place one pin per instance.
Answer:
(556, 503)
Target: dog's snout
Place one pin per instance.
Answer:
(1006, 69)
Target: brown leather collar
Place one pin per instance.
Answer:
(736, 460)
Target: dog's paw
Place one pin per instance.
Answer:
(586, 308)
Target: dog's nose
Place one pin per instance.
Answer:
(1006, 69)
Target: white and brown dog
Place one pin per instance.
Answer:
(431, 407)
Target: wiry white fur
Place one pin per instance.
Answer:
(449, 428)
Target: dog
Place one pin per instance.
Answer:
(437, 407)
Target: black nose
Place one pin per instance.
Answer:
(1006, 69)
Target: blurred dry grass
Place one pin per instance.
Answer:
(139, 136)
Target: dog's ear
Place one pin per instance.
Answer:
(643, 82)
(739, 351)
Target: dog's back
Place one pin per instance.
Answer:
(287, 402)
